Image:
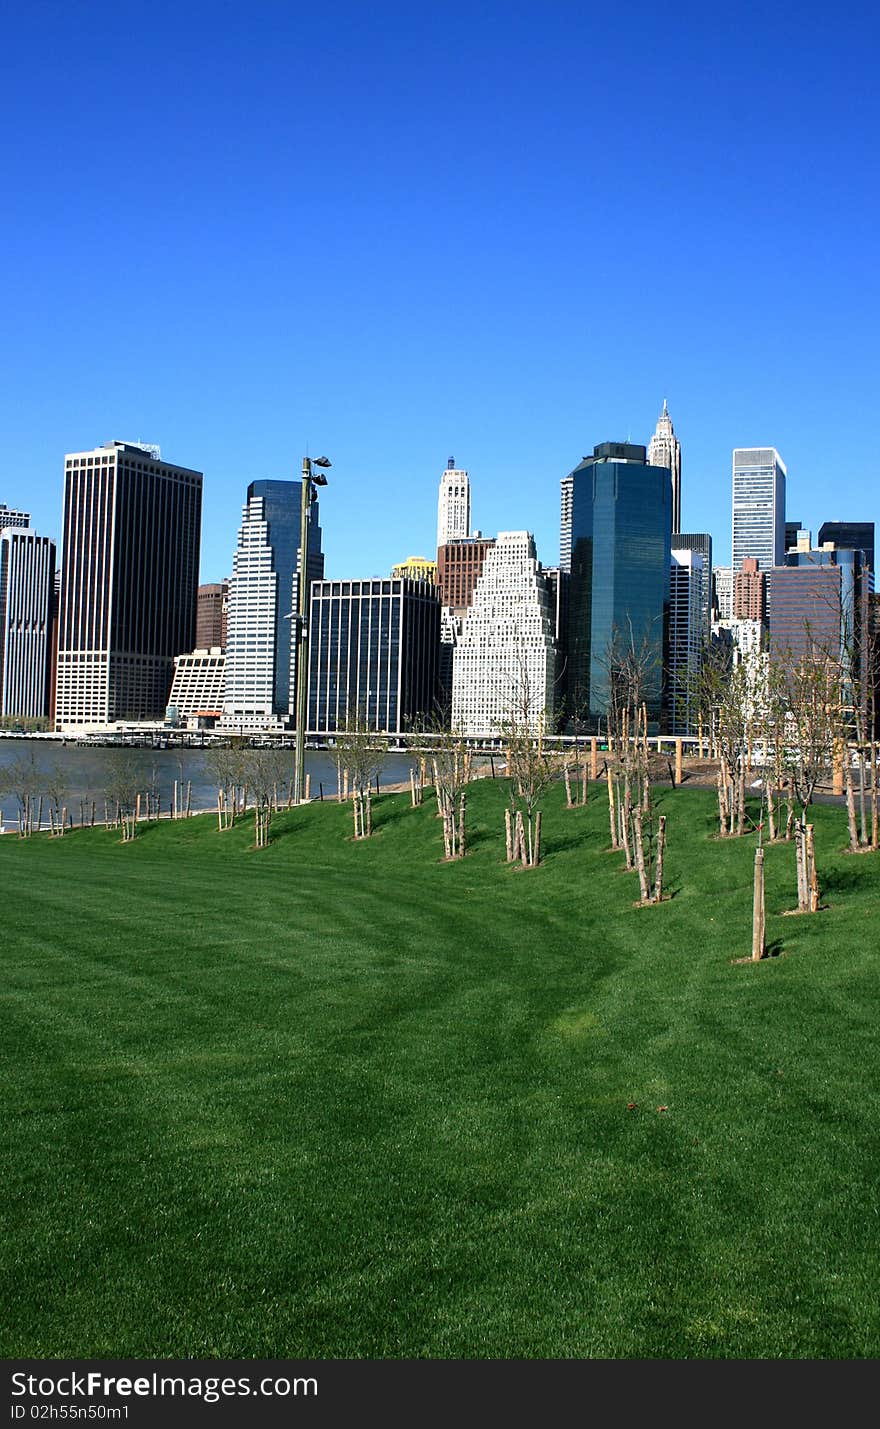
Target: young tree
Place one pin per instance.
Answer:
(450, 762)
(531, 767)
(265, 771)
(121, 787)
(361, 753)
(23, 778)
(57, 788)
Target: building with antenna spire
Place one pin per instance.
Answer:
(664, 449)
(454, 505)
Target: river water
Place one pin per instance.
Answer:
(84, 773)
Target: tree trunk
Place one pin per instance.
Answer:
(508, 836)
(850, 805)
(611, 809)
(369, 803)
(461, 825)
(536, 852)
(812, 875)
(874, 828)
(566, 776)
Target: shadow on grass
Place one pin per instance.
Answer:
(844, 879)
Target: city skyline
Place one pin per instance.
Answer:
(389, 278)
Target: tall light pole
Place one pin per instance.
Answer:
(311, 479)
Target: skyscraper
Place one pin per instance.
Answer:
(685, 635)
(566, 487)
(27, 580)
(211, 612)
(758, 509)
(454, 505)
(459, 564)
(823, 610)
(621, 528)
(260, 675)
(129, 572)
(504, 664)
(848, 535)
(749, 583)
(722, 588)
(699, 541)
(664, 449)
(373, 654)
(10, 517)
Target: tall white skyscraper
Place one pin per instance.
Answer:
(566, 498)
(758, 508)
(505, 661)
(664, 449)
(260, 674)
(27, 577)
(454, 505)
(686, 579)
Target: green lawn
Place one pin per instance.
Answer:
(343, 1100)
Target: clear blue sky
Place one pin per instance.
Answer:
(396, 232)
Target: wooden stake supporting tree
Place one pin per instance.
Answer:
(759, 946)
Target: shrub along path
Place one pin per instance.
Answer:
(340, 1100)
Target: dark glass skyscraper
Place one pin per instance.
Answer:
(621, 528)
(851, 536)
(129, 572)
(373, 652)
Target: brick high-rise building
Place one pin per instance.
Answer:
(749, 592)
(129, 572)
(459, 564)
(211, 608)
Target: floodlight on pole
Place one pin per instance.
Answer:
(310, 480)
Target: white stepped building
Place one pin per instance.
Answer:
(505, 659)
(252, 618)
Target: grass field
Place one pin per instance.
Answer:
(344, 1100)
